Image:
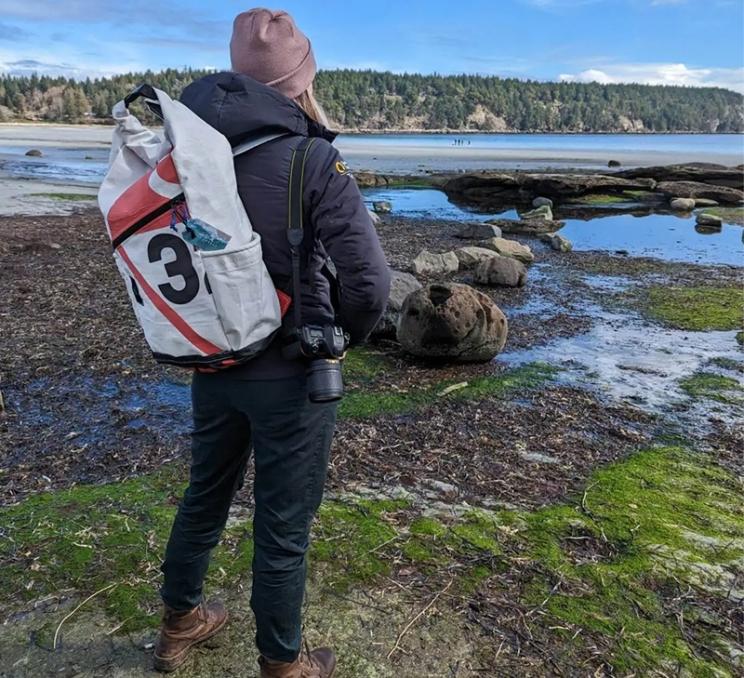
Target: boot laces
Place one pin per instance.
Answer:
(310, 666)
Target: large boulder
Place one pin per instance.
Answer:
(401, 285)
(501, 271)
(695, 190)
(560, 243)
(541, 201)
(682, 204)
(34, 153)
(704, 172)
(709, 220)
(510, 248)
(479, 231)
(429, 264)
(470, 257)
(452, 321)
(370, 179)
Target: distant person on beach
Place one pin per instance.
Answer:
(265, 404)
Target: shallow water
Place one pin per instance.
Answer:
(662, 236)
(72, 165)
(428, 202)
(110, 404)
(626, 358)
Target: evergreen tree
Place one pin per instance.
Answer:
(372, 100)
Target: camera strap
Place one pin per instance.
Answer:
(295, 232)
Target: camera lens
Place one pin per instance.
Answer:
(324, 380)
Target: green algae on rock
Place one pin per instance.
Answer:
(371, 402)
(713, 386)
(664, 516)
(696, 308)
(729, 215)
(65, 197)
(601, 573)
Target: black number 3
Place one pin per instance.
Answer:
(181, 266)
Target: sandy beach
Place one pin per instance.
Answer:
(78, 154)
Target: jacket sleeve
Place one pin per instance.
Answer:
(344, 227)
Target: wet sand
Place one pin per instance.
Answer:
(411, 159)
(365, 153)
(29, 197)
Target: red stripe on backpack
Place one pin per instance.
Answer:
(204, 345)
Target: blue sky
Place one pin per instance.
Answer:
(693, 42)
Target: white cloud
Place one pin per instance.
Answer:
(64, 65)
(661, 74)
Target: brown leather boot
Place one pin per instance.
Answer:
(320, 663)
(180, 631)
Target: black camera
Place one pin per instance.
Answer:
(324, 347)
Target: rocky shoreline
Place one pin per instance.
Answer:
(551, 508)
(489, 189)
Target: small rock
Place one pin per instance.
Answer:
(740, 338)
(2, 403)
(709, 220)
(529, 227)
(705, 202)
(440, 487)
(682, 204)
(479, 231)
(451, 320)
(34, 153)
(382, 207)
(452, 388)
(542, 212)
(55, 246)
(560, 243)
(470, 257)
(510, 248)
(401, 285)
(542, 202)
(539, 458)
(614, 163)
(501, 271)
(431, 264)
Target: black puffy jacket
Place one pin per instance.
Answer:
(337, 224)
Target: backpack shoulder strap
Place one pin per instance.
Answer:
(253, 143)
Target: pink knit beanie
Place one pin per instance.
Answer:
(268, 47)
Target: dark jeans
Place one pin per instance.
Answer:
(290, 437)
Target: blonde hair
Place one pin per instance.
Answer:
(308, 103)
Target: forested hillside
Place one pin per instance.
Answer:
(367, 100)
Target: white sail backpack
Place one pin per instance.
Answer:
(182, 240)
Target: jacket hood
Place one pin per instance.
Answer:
(240, 108)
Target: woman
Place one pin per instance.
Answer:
(264, 404)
